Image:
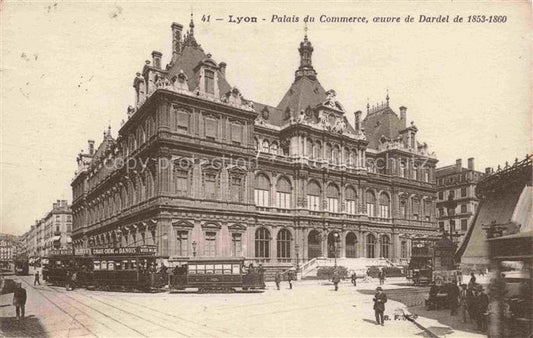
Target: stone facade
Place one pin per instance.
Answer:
(197, 169)
(459, 183)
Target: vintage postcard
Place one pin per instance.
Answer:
(266, 169)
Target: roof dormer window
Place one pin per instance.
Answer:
(209, 77)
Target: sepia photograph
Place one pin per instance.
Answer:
(266, 168)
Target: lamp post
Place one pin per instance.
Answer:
(194, 244)
(450, 205)
(335, 245)
(297, 249)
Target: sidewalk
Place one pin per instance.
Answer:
(441, 323)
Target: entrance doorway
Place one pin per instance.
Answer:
(314, 248)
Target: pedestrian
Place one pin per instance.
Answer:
(19, 301)
(380, 276)
(354, 279)
(380, 298)
(290, 277)
(482, 305)
(463, 303)
(453, 297)
(472, 279)
(36, 280)
(277, 279)
(73, 280)
(67, 280)
(432, 299)
(261, 272)
(336, 280)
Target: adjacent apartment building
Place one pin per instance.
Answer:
(198, 169)
(459, 184)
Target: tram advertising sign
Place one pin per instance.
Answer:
(138, 250)
(60, 252)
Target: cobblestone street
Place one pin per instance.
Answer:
(312, 308)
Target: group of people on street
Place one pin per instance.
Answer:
(470, 301)
(290, 278)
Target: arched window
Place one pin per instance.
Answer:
(415, 172)
(265, 146)
(149, 184)
(385, 246)
(314, 244)
(328, 152)
(403, 209)
(370, 246)
(313, 196)
(274, 148)
(309, 148)
(332, 193)
(370, 204)
(426, 175)
(384, 205)
(262, 191)
(403, 169)
(317, 150)
(335, 155)
(416, 208)
(351, 200)
(256, 144)
(283, 193)
(351, 245)
(262, 243)
(284, 245)
(142, 136)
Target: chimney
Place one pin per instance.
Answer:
(488, 170)
(91, 147)
(358, 120)
(471, 163)
(156, 59)
(176, 40)
(459, 164)
(222, 66)
(403, 113)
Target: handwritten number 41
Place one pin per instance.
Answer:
(206, 18)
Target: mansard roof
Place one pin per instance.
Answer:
(382, 123)
(304, 92)
(191, 55)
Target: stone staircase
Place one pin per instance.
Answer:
(308, 270)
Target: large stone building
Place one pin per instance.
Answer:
(8, 250)
(54, 231)
(197, 169)
(458, 184)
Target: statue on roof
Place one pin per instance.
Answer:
(330, 98)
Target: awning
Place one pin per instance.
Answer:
(56, 238)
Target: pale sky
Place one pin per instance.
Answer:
(67, 71)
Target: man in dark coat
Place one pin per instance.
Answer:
(481, 306)
(336, 279)
(380, 298)
(36, 280)
(277, 279)
(19, 301)
(453, 298)
(354, 279)
(290, 278)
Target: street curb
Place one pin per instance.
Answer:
(420, 326)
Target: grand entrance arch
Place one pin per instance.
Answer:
(314, 248)
(333, 244)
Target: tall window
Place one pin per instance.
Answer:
(403, 169)
(351, 198)
(370, 204)
(333, 198)
(351, 245)
(236, 189)
(210, 244)
(426, 175)
(283, 193)
(313, 196)
(284, 245)
(370, 246)
(464, 224)
(262, 191)
(209, 81)
(403, 251)
(236, 244)
(415, 172)
(210, 186)
(211, 128)
(385, 246)
(182, 239)
(403, 209)
(317, 151)
(384, 205)
(262, 243)
(182, 121)
(416, 209)
(441, 195)
(463, 192)
(182, 182)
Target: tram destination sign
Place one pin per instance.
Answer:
(138, 250)
(60, 252)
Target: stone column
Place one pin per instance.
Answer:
(273, 244)
(342, 249)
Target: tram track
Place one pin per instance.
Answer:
(198, 327)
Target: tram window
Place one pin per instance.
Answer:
(110, 265)
(133, 264)
(218, 269)
(96, 265)
(192, 269)
(227, 269)
(118, 265)
(200, 269)
(236, 269)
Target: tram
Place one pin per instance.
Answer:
(215, 274)
(420, 269)
(59, 262)
(131, 268)
(22, 267)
